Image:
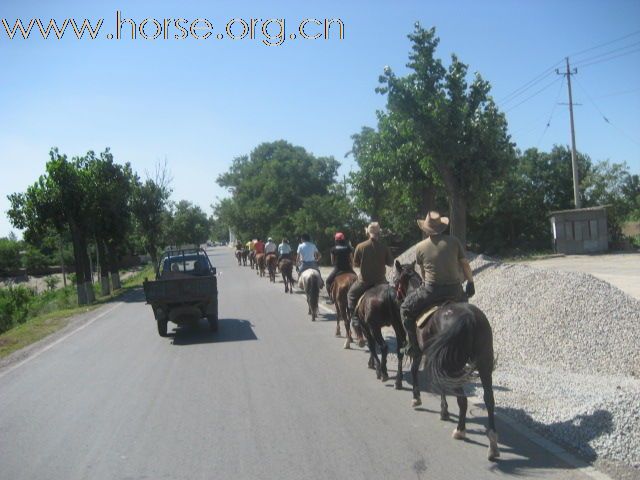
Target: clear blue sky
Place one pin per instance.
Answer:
(200, 103)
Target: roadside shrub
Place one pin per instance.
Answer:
(34, 260)
(52, 282)
(14, 306)
(9, 255)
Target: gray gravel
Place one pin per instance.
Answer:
(568, 356)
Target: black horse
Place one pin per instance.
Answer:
(456, 341)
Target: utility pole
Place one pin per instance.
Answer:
(574, 157)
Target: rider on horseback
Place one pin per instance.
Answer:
(372, 256)
(440, 258)
(258, 246)
(341, 259)
(284, 249)
(270, 247)
(307, 254)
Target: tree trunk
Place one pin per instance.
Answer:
(62, 267)
(104, 269)
(457, 206)
(86, 268)
(458, 221)
(77, 258)
(112, 261)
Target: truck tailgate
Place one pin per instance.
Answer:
(181, 290)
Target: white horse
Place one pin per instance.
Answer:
(310, 281)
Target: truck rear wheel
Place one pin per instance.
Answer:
(162, 327)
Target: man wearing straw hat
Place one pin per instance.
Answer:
(441, 258)
(373, 257)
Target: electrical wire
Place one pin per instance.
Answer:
(609, 58)
(604, 117)
(575, 54)
(553, 109)
(533, 95)
(605, 54)
(530, 84)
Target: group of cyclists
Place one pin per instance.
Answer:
(440, 257)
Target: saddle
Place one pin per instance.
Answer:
(424, 318)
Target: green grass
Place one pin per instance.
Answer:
(51, 311)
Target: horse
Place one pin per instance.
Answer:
(260, 264)
(379, 308)
(286, 268)
(310, 281)
(456, 341)
(272, 262)
(339, 289)
(245, 255)
(252, 259)
(239, 257)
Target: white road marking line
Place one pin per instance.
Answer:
(60, 340)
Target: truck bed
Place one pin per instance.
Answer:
(179, 290)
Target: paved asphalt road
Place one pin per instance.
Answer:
(270, 396)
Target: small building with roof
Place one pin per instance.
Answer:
(580, 231)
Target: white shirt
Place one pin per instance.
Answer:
(284, 249)
(270, 247)
(307, 251)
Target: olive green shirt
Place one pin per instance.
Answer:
(440, 257)
(372, 256)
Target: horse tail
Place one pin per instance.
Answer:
(449, 354)
(313, 291)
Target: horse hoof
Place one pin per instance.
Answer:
(347, 345)
(494, 452)
(337, 332)
(361, 343)
(444, 416)
(385, 377)
(398, 386)
(416, 402)
(459, 434)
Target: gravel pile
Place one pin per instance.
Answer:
(568, 355)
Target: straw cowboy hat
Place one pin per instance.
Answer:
(373, 229)
(433, 224)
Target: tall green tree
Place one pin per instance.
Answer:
(270, 185)
(189, 224)
(149, 207)
(463, 135)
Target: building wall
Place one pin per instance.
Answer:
(580, 232)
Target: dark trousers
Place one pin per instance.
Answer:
(332, 276)
(355, 292)
(425, 297)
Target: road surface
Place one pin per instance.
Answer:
(270, 396)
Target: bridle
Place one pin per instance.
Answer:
(404, 281)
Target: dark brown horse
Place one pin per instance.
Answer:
(245, 255)
(260, 264)
(239, 257)
(252, 259)
(456, 341)
(272, 263)
(380, 308)
(339, 289)
(286, 268)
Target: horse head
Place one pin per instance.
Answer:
(405, 279)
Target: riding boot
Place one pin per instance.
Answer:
(411, 349)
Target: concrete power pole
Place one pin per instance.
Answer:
(574, 157)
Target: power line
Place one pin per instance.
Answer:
(609, 58)
(604, 117)
(555, 105)
(622, 92)
(555, 80)
(605, 54)
(575, 54)
(530, 84)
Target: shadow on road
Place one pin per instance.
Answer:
(229, 330)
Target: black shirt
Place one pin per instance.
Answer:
(342, 255)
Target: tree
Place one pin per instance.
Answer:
(391, 185)
(463, 136)
(149, 206)
(57, 200)
(270, 185)
(9, 255)
(190, 224)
